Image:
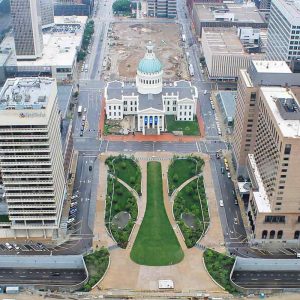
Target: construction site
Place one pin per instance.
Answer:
(126, 50)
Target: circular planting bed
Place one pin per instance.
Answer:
(121, 219)
(188, 219)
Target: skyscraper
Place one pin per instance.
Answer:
(47, 13)
(31, 159)
(162, 8)
(27, 27)
(284, 30)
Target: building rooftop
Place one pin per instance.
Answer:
(290, 127)
(61, 43)
(222, 40)
(228, 102)
(26, 93)
(270, 66)
(260, 195)
(240, 12)
(290, 9)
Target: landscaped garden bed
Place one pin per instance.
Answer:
(191, 211)
(182, 169)
(156, 243)
(219, 267)
(126, 169)
(96, 264)
(121, 211)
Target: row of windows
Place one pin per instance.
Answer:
(148, 81)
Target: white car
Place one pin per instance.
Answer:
(221, 203)
(8, 246)
(228, 175)
(71, 220)
(235, 221)
(73, 204)
(205, 92)
(84, 110)
(16, 246)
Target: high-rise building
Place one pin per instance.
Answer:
(31, 159)
(47, 13)
(260, 73)
(27, 27)
(162, 8)
(284, 30)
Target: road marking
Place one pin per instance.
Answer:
(197, 147)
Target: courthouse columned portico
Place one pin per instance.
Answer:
(149, 98)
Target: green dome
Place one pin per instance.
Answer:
(150, 65)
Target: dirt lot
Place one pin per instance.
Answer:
(127, 47)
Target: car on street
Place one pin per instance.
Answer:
(73, 204)
(222, 170)
(74, 197)
(235, 221)
(217, 155)
(8, 246)
(84, 110)
(205, 92)
(90, 168)
(228, 175)
(221, 203)
(16, 246)
(236, 202)
(82, 128)
(81, 133)
(71, 220)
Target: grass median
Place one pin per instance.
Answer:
(156, 243)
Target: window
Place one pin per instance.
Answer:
(272, 234)
(274, 219)
(287, 149)
(279, 234)
(125, 102)
(264, 234)
(297, 235)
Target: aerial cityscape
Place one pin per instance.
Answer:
(149, 149)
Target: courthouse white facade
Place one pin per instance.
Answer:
(149, 100)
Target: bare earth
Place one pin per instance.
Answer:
(128, 48)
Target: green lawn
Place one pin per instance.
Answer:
(187, 201)
(122, 200)
(219, 267)
(127, 170)
(156, 243)
(181, 170)
(187, 127)
(96, 263)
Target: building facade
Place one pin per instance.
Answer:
(284, 30)
(73, 7)
(31, 159)
(149, 100)
(27, 28)
(162, 8)
(260, 73)
(47, 13)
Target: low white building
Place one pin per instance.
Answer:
(149, 100)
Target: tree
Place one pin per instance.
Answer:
(122, 6)
(175, 177)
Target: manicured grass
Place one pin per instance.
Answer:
(117, 200)
(96, 263)
(127, 170)
(156, 243)
(182, 169)
(187, 201)
(187, 127)
(219, 267)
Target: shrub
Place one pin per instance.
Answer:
(175, 177)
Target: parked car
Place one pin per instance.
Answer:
(73, 204)
(8, 246)
(81, 133)
(90, 168)
(235, 221)
(221, 203)
(228, 175)
(71, 220)
(16, 246)
(222, 170)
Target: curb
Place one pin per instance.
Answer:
(102, 275)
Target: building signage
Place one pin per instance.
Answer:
(32, 115)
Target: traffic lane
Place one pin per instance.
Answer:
(267, 279)
(231, 209)
(53, 276)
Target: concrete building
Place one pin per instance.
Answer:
(73, 7)
(227, 102)
(149, 100)
(284, 30)
(27, 28)
(259, 74)
(162, 8)
(61, 45)
(226, 15)
(274, 168)
(31, 159)
(225, 54)
(47, 13)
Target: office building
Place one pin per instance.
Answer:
(162, 8)
(273, 168)
(260, 73)
(27, 28)
(73, 7)
(47, 13)
(31, 157)
(226, 15)
(226, 51)
(284, 30)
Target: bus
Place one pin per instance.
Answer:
(183, 37)
(191, 69)
(79, 110)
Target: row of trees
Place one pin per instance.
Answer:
(87, 35)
